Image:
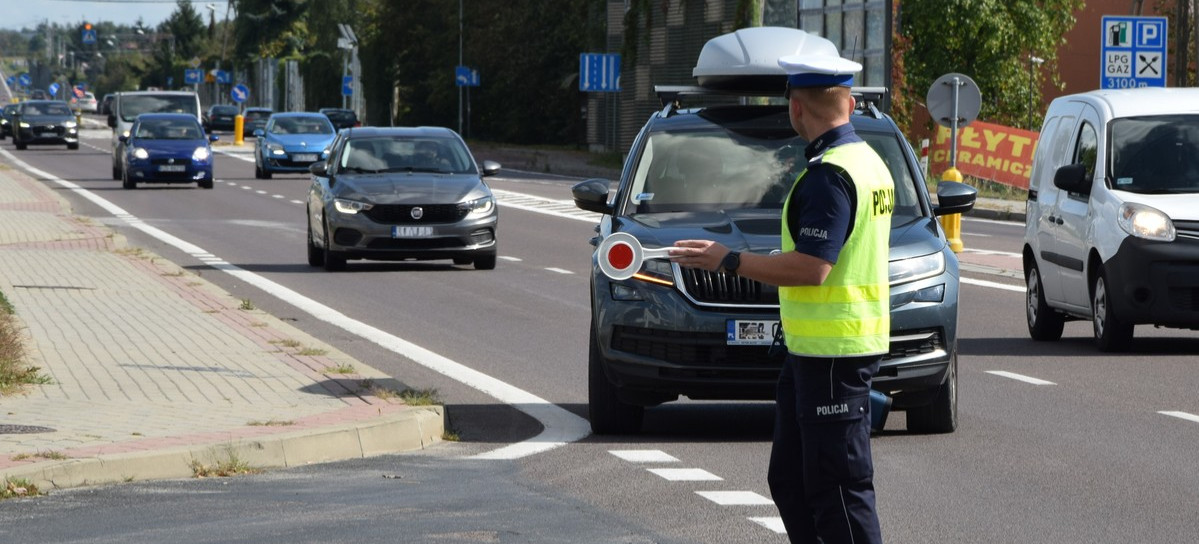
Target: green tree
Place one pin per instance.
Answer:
(992, 42)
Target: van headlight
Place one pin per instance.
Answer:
(1145, 222)
(916, 268)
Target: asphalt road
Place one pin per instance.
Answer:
(1057, 442)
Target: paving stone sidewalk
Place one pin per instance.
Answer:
(154, 370)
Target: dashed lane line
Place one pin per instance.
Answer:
(1181, 415)
(1020, 377)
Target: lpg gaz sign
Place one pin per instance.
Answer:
(1133, 53)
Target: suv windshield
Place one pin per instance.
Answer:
(719, 169)
(1155, 154)
(134, 105)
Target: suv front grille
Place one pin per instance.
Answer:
(690, 348)
(915, 343)
(400, 214)
(707, 287)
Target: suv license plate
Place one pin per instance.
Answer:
(751, 332)
(172, 168)
(306, 157)
(411, 232)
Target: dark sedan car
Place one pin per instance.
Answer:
(220, 117)
(254, 119)
(6, 120)
(341, 118)
(401, 194)
(167, 148)
(44, 122)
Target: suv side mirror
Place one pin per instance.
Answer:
(592, 195)
(317, 168)
(954, 197)
(1072, 178)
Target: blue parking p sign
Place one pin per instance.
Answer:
(1133, 52)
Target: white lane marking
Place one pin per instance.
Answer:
(1020, 377)
(734, 498)
(561, 426)
(1015, 224)
(774, 524)
(1182, 415)
(993, 285)
(686, 474)
(513, 259)
(992, 252)
(559, 270)
(557, 208)
(645, 456)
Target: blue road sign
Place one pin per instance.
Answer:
(192, 76)
(465, 76)
(1133, 53)
(599, 73)
(347, 85)
(239, 93)
(25, 80)
(53, 89)
(12, 80)
(224, 77)
(89, 36)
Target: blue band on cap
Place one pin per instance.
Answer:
(820, 80)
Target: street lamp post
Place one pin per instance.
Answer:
(1033, 61)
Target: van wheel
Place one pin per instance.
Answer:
(1043, 322)
(608, 414)
(1111, 333)
(942, 415)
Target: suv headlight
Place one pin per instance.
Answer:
(916, 268)
(1145, 222)
(351, 207)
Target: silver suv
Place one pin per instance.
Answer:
(722, 172)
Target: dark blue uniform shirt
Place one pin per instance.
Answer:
(821, 210)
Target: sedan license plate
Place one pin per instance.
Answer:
(304, 157)
(411, 232)
(750, 332)
(172, 168)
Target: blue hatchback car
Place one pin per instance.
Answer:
(167, 148)
(291, 142)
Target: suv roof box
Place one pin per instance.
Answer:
(747, 59)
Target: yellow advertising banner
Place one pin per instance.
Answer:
(986, 151)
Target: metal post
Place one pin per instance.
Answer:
(460, 64)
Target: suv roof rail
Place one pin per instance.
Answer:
(871, 100)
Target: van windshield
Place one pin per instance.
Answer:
(134, 105)
(1155, 154)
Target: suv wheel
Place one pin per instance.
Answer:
(1043, 322)
(1111, 334)
(608, 414)
(942, 415)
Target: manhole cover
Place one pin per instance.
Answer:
(23, 429)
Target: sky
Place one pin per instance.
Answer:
(17, 14)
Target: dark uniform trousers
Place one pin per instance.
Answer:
(821, 473)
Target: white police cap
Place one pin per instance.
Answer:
(818, 70)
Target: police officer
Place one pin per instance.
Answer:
(834, 306)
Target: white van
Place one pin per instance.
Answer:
(127, 106)
(1112, 229)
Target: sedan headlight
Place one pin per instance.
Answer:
(1145, 222)
(916, 268)
(140, 153)
(350, 207)
(201, 154)
(477, 207)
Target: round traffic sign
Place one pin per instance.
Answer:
(239, 93)
(949, 89)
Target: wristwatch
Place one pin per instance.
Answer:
(731, 262)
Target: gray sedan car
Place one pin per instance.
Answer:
(398, 194)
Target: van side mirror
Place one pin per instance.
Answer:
(112, 120)
(1072, 178)
(592, 195)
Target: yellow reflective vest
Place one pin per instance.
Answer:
(848, 315)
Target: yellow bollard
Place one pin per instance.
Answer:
(953, 223)
(239, 124)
